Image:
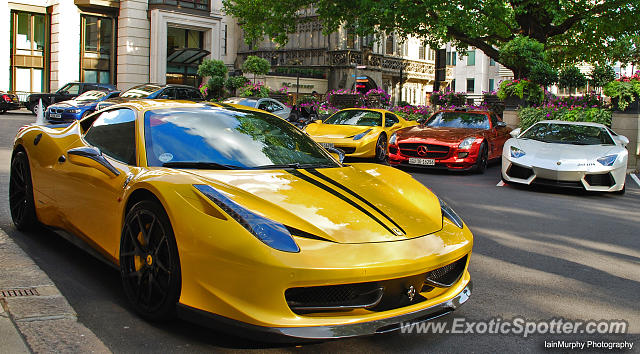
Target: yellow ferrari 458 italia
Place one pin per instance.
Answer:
(359, 132)
(233, 218)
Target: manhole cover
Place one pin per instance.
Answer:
(18, 292)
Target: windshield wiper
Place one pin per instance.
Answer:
(200, 165)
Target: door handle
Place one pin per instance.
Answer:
(62, 158)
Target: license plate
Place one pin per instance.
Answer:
(425, 162)
(326, 145)
(15, 99)
(56, 115)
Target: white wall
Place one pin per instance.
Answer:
(65, 43)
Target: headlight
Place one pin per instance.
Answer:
(393, 139)
(608, 160)
(73, 110)
(271, 233)
(361, 135)
(515, 152)
(466, 143)
(448, 213)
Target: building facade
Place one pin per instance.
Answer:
(47, 43)
(476, 73)
(405, 68)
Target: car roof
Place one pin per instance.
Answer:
(590, 124)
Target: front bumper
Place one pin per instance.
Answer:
(352, 148)
(452, 161)
(65, 117)
(9, 106)
(298, 334)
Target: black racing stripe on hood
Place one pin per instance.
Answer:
(335, 193)
(360, 198)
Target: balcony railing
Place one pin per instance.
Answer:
(189, 4)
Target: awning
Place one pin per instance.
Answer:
(186, 56)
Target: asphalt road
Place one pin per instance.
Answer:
(539, 254)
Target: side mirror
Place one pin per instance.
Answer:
(623, 140)
(318, 121)
(338, 154)
(514, 133)
(63, 92)
(501, 124)
(91, 157)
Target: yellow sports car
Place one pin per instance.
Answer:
(235, 218)
(359, 132)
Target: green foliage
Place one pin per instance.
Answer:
(254, 90)
(602, 75)
(626, 49)
(571, 77)
(531, 115)
(570, 30)
(448, 98)
(212, 67)
(521, 54)
(235, 82)
(256, 65)
(543, 74)
(625, 91)
(524, 89)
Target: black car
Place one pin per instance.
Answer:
(8, 102)
(154, 91)
(66, 92)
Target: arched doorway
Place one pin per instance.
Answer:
(364, 84)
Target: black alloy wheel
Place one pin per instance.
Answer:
(483, 158)
(149, 262)
(21, 201)
(381, 149)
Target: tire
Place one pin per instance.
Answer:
(382, 152)
(21, 201)
(3, 111)
(483, 158)
(34, 108)
(149, 261)
(86, 113)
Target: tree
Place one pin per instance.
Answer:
(216, 71)
(571, 77)
(543, 74)
(521, 54)
(256, 66)
(601, 75)
(571, 30)
(235, 82)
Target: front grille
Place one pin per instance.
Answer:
(516, 171)
(346, 149)
(374, 296)
(605, 180)
(447, 275)
(432, 151)
(556, 183)
(56, 110)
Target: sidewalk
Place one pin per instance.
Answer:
(34, 316)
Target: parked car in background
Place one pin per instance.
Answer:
(65, 93)
(359, 132)
(582, 155)
(154, 91)
(78, 108)
(451, 139)
(8, 102)
(266, 104)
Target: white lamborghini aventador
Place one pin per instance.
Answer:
(567, 154)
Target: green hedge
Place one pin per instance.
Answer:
(531, 115)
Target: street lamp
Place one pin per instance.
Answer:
(297, 62)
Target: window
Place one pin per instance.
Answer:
(471, 85)
(113, 132)
(389, 45)
(452, 86)
(471, 57)
(491, 84)
(73, 89)
(432, 55)
(181, 69)
(29, 32)
(224, 40)
(351, 39)
(96, 48)
(421, 51)
(390, 120)
(454, 57)
(492, 62)
(187, 4)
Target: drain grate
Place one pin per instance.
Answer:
(19, 292)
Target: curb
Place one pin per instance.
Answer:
(41, 316)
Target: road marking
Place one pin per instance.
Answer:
(635, 178)
(500, 184)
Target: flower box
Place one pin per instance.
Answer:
(633, 107)
(515, 102)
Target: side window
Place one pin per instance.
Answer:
(72, 89)
(390, 120)
(195, 95)
(114, 133)
(276, 107)
(169, 93)
(494, 120)
(88, 87)
(265, 106)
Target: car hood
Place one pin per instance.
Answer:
(448, 135)
(364, 203)
(554, 152)
(333, 131)
(72, 104)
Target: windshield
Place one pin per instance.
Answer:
(242, 101)
(141, 91)
(459, 120)
(356, 117)
(91, 96)
(211, 137)
(568, 134)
